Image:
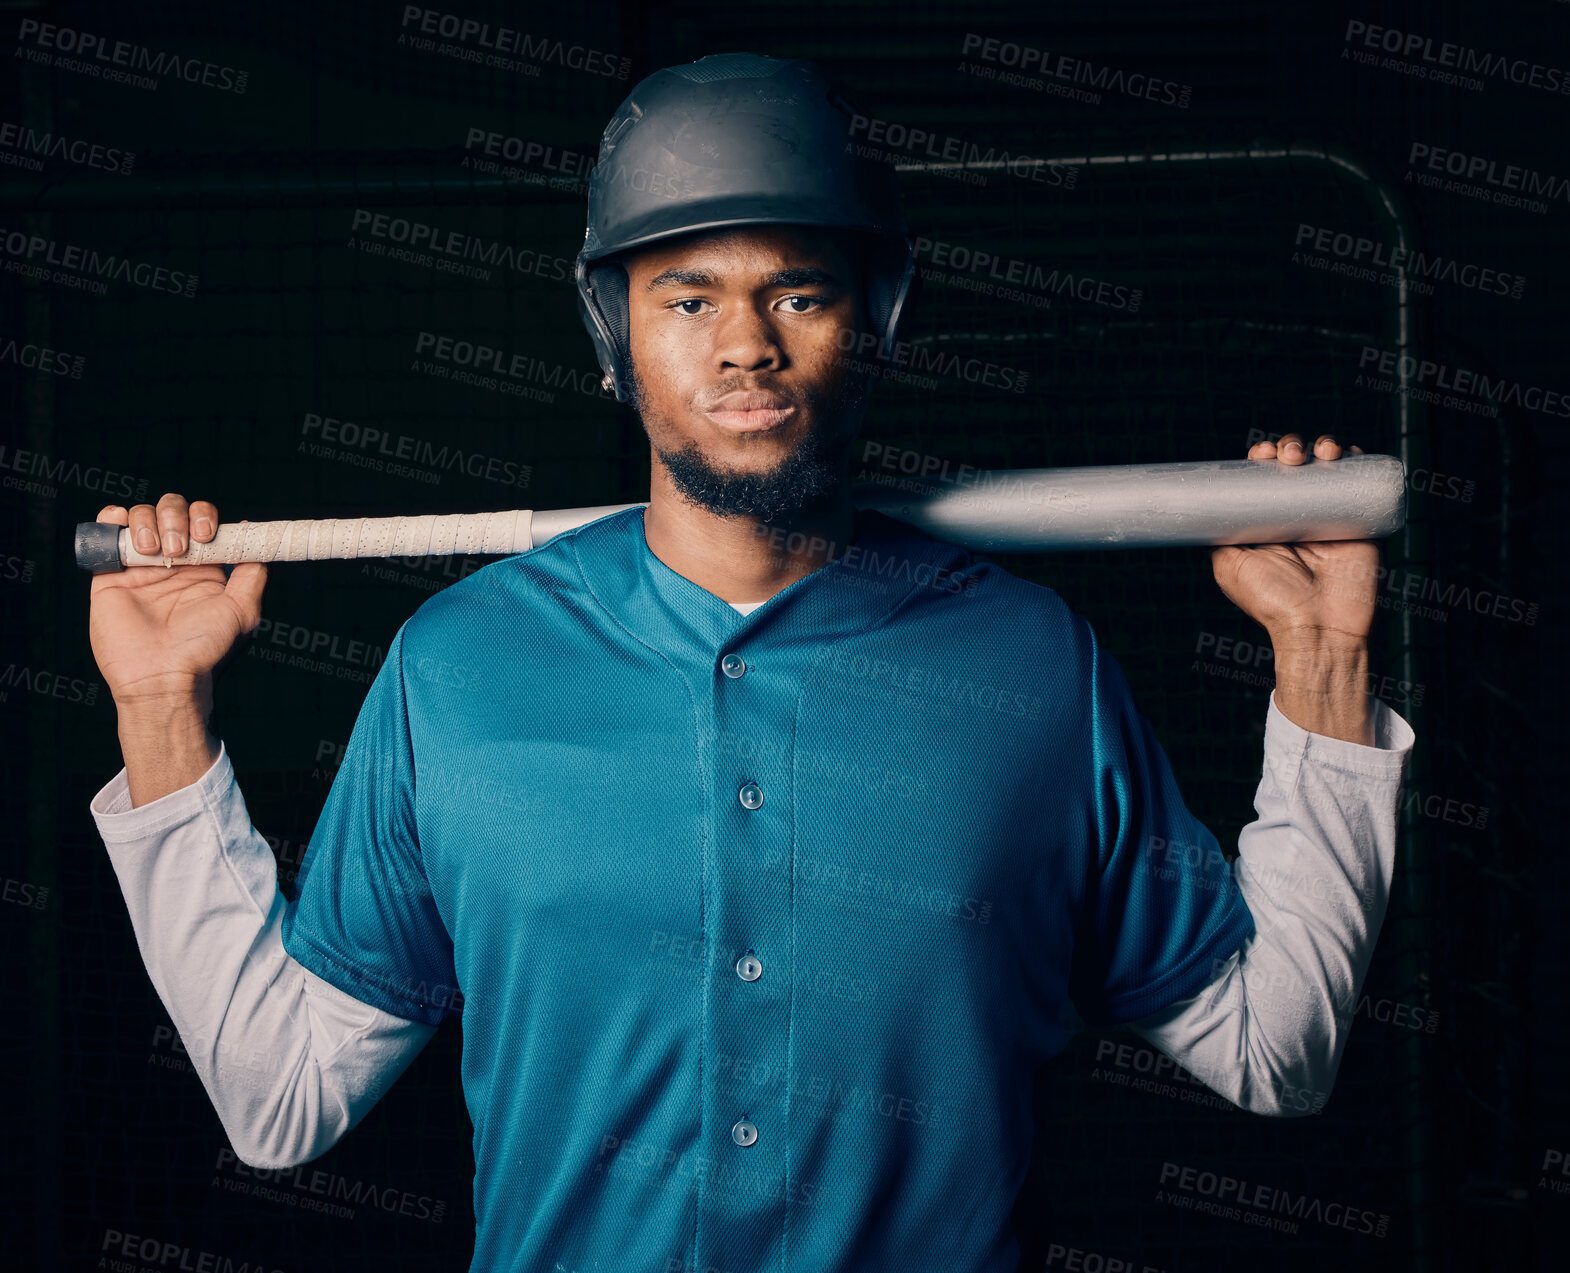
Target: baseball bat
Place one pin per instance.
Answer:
(1001, 510)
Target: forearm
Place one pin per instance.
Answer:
(164, 740)
(1315, 869)
(1322, 686)
(289, 1062)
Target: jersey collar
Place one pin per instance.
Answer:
(887, 561)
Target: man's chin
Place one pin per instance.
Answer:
(769, 494)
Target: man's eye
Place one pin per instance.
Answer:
(805, 303)
(682, 305)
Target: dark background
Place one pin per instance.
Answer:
(1443, 1130)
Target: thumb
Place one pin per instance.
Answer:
(244, 588)
(1225, 559)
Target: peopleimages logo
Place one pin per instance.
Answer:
(936, 255)
(1076, 1259)
(517, 150)
(44, 474)
(41, 358)
(47, 684)
(1434, 62)
(884, 136)
(1075, 70)
(492, 45)
(309, 1190)
(872, 353)
(20, 145)
(1361, 250)
(1253, 1204)
(169, 1255)
(1509, 185)
(491, 364)
(355, 660)
(114, 60)
(32, 256)
(389, 450)
(1440, 376)
(451, 250)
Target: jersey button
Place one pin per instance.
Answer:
(751, 796)
(744, 1133)
(733, 665)
(749, 968)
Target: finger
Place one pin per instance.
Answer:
(1326, 448)
(1357, 450)
(1291, 451)
(204, 520)
(174, 523)
(114, 514)
(144, 528)
(1262, 451)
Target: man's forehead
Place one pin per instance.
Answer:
(744, 251)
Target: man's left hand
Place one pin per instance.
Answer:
(1316, 600)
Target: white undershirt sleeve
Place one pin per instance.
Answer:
(290, 1062)
(1315, 867)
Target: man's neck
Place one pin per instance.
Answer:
(740, 558)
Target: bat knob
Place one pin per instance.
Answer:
(98, 547)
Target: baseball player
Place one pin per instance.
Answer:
(765, 847)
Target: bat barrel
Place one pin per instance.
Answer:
(1153, 505)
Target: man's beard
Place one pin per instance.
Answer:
(815, 468)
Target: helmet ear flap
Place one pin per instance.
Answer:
(602, 304)
(890, 275)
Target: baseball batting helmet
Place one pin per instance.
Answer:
(733, 139)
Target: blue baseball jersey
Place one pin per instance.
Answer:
(759, 925)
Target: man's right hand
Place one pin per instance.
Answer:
(159, 632)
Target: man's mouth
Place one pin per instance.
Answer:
(751, 410)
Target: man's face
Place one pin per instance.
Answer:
(737, 367)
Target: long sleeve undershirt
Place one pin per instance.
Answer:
(292, 1063)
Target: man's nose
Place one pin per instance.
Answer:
(745, 338)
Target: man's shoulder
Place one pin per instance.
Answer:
(513, 589)
(968, 575)
(969, 600)
(1005, 588)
